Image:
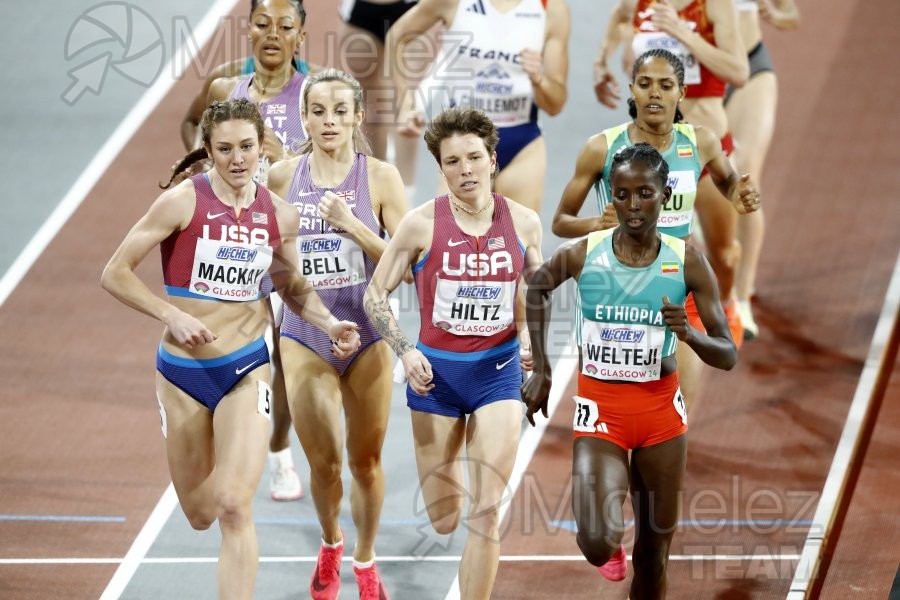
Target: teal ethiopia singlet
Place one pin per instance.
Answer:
(622, 333)
(683, 157)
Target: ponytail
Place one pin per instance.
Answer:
(183, 168)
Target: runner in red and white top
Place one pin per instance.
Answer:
(470, 251)
(212, 382)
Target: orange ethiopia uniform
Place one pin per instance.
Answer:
(630, 415)
(623, 395)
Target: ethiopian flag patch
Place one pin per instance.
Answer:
(685, 151)
(670, 267)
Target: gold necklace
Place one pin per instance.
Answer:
(262, 89)
(469, 210)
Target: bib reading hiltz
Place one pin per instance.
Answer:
(331, 261)
(473, 307)
(228, 270)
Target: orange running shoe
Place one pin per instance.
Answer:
(370, 585)
(734, 322)
(614, 569)
(326, 579)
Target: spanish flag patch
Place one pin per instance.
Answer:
(685, 151)
(670, 267)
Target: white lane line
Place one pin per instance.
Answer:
(108, 152)
(123, 133)
(847, 447)
(181, 560)
(562, 375)
(142, 543)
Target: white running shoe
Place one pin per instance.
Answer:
(745, 310)
(284, 483)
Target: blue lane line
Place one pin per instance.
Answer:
(570, 524)
(63, 518)
(346, 521)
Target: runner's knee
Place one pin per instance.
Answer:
(650, 560)
(200, 518)
(484, 519)
(445, 514)
(233, 510)
(325, 470)
(598, 543)
(365, 469)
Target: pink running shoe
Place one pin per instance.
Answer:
(326, 579)
(370, 585)
(615, 567)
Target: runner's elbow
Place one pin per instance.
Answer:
(558, 227)
(741, 76)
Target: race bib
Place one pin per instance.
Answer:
(679, 210)
(586, 415)
(229, 270)
(331, 261)
(627, 352)
(680, 408)
(504, 97)
(473, 307)
(644, 41)
(264, 399)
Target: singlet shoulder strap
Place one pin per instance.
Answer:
(687, 131)
(676, 244)
(613, 133)
(594, 238)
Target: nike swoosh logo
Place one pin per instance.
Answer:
(302, 194)
(451, 243)
(316, 584)
(243, 369)
(503, 364)
(214, 216)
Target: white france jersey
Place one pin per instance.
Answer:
(480, 66)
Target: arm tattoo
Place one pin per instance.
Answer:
(382, 318)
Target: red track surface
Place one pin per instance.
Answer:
(762, 436)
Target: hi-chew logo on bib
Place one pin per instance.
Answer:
(237, 253)
(320, 245)
(479, 292)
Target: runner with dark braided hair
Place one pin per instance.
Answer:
(632, 282)
(657, 87)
